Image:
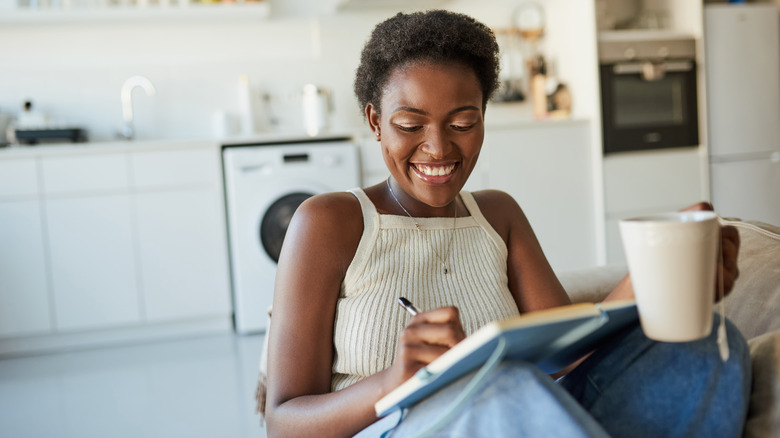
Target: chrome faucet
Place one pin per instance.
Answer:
(128, 132)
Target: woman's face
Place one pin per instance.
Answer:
(431, 130)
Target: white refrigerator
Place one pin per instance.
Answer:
(742, 61)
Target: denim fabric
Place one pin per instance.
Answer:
(518, 400)
(630, 387)
(634, 386)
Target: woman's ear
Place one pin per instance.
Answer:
(374, 119)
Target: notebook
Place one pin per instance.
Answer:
(552, 339)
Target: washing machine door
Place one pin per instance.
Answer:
(273, 226)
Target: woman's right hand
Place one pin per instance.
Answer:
(427, 336)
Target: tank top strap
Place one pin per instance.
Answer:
(366, 206)
(476, 213)
(370, 231)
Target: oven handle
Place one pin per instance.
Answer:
(639, 67)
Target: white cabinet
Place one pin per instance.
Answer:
(161, 169)
(90, 229)
(25, 307)
(640, 183)
(24, 296)
(111, 238)
(547, 168)
(18, 178)
(182, 262)
(181, 234)
(747, 189)
(92, 261)
(79, 175)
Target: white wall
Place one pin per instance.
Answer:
(73, 69)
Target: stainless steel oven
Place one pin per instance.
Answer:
(648, 92)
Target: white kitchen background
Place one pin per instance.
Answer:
(158, 377)
(73, 67)
(73, 70)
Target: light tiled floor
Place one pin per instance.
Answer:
(197, 387)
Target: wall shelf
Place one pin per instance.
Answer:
(258, 10)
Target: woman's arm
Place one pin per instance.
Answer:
(311, 265)
(319, 246)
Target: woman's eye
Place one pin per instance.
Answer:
(409, 128)
(462, 127)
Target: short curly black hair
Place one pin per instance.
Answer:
(435, 36)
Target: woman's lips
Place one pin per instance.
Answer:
(434, 173)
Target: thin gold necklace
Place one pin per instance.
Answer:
(442, 260)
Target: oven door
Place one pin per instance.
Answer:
(649, 105)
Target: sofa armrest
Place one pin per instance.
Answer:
(591, 284)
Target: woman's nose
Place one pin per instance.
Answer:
(436, 143)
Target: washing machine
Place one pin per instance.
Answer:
(264, 184)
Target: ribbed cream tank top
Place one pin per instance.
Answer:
(394, 260)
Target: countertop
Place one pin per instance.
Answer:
(49, 149)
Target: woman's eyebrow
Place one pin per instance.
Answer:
(410, 110)
(464, 108)
(419, 111)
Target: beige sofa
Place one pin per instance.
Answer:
(753, 305)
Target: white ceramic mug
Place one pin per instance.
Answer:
(672, 258)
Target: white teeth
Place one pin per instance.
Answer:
(435, 170)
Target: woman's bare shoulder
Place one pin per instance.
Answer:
(501, 210)
(496, 204)
(333, 206)
(328, 224)
(493, 197)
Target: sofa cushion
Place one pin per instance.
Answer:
(591, 285)
(754, 303)
(764, 412)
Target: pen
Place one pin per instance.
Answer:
(406, 304)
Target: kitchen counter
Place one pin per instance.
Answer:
(21, 151)
(46, 149)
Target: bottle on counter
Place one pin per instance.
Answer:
(539, 87)
(245, 107)
(252, 108)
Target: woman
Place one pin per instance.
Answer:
(338, 340)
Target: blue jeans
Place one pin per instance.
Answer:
(631, 386)
(634, 386)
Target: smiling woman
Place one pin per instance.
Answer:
(431, 132)
(338, 341)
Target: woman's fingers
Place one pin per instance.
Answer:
(440, 327)
(727, 266)
(417, 356)
(427, 336)
(443, 334)
(699, 206)
(728, 269)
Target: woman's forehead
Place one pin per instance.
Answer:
(429, 80)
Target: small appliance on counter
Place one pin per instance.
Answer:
(50, 135)
(33, 127)
(317, 105)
